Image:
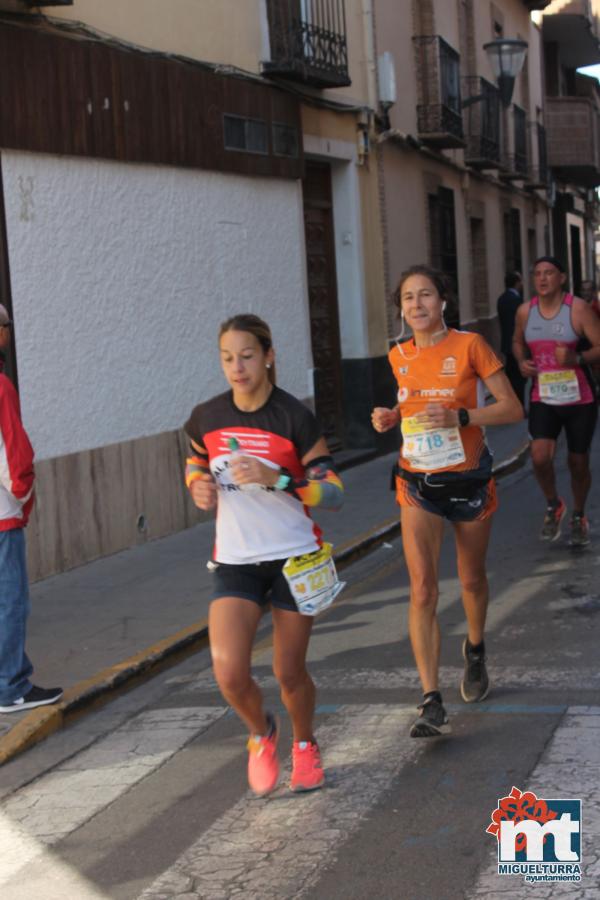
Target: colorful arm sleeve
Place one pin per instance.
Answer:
(321, 485)
(196, 467)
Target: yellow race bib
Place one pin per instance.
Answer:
(313, 580)
(559, 388)
(429, 447)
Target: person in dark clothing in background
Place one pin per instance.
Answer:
(508, 304)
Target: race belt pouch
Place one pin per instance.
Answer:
(436, 487)
(313, 580)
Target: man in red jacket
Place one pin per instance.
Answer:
(16, 499)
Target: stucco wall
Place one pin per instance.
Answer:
(219, 31)
(120, 276)
(233, 32)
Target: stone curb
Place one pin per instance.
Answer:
(85, 695)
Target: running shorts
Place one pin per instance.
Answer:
(262, 583)
(482, 503)
(578, 420)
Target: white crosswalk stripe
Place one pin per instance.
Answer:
(273, 848)
(46, 810)
(276, 847)
(521, 677)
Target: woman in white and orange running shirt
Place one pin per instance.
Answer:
(260, 459)
(444, 472)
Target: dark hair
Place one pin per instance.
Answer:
(437, 278)
(553, 260)
(511, 279)
(253, 325)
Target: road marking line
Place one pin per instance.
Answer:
(277, 847)
(61, 801)
(398, 678)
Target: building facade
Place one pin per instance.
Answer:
(465, 174)
(163, 169)
(164, 166)
(571, 39)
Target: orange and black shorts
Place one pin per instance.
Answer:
(461, 499)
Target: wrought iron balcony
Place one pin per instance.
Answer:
(573, 126)
(514, 163)
(538, 168)
(308, 42)
(439, 116)
(481, 118)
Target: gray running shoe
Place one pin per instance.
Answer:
(431, 721)
(580, 532)
(552, 520)
(475, 684)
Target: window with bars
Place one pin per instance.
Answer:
(439, 116)
(308, 42)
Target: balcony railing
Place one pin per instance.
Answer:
(573, 125)
(308, 42)
(514, 163)
(439, 117)
(538, 155)
(481, 120)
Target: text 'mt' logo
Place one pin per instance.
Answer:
(545, 833)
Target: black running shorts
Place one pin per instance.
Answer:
(578, 420)
(262, 583)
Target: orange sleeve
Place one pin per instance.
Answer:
(482, 357)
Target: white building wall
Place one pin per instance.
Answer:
(120, 277)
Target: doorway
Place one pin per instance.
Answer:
(323, 300)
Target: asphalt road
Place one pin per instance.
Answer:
(147, 797)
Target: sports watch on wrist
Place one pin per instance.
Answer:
(463, 417)
(282, 482)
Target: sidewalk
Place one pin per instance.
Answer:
(98, 616)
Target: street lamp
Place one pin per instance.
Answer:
(506, 56)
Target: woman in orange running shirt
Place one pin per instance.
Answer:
(444, 472)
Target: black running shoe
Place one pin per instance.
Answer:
(35, 696)
(431, 721)
(475, 684)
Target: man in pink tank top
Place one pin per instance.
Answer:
(546, 344)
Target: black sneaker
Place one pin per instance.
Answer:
(475, 684)
(35, 696)
(431, 721)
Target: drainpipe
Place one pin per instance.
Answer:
(369, 38)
